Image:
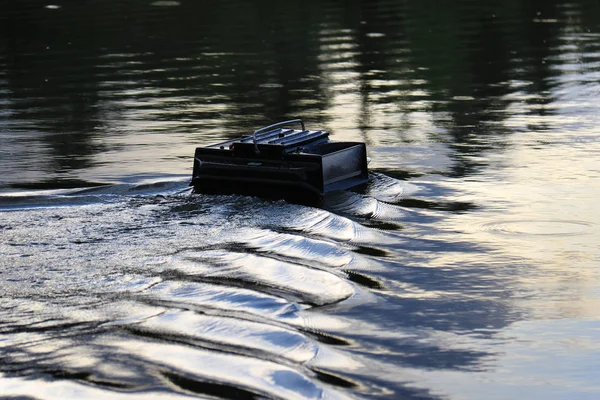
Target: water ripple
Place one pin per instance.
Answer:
(293, 281)
(300, 249)
(539, 227)
(224, 299)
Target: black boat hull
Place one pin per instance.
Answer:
(300, 174)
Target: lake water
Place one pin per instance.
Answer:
(469, 268)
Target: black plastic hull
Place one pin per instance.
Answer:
(301, 170)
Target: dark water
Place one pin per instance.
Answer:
(468, 269)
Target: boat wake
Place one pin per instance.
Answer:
(141, 288)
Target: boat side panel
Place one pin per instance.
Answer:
(296, 175)
(345, 167)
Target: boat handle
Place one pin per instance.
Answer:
(277, 125)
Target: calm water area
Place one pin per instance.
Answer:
(468, 268)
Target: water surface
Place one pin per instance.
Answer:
(467, 269)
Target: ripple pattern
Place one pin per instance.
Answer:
(157, 293)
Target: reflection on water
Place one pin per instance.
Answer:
(467, 269)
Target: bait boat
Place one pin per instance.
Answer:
(279, 162)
